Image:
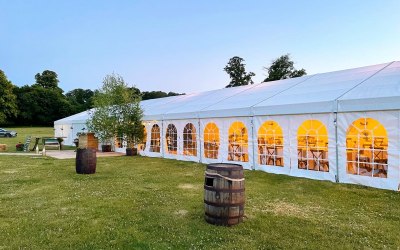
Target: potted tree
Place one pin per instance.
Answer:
(131, 126)
(103, 125)
(116, 110)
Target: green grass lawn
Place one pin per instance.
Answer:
(151, 203)
(23, 132)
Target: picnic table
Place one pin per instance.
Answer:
(50, 142)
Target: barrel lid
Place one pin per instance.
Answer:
(224, 166)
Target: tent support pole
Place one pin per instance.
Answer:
(201, 144)
(337, 147)
(253, 165)
(162, 138)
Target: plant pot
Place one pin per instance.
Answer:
(19, 147)
(106, 148)
(131, 151)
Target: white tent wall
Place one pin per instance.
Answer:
(67, 135)
(64, 132)
(221, 153)
(391, 122)
(119, 145)
(145, 151)
(283, 122)
(77, 128)
(58, 131)
(295, 121)
(290, 125)
(68, 132)
(148, 150)
(372, 91)
(224, 124)
(70, 127)
(181, 154)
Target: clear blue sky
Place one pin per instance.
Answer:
(183, 46)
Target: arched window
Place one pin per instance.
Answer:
(189, 140)
(120, 140)
(366, 148)
(211, 141)
(270, 144)
(238, 143)
(155, 139)
(142, 145)
(171, 138)
(312, 146)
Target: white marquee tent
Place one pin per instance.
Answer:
(339, 126)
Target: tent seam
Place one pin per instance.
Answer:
(252, 106)
(253, 86)
(374, 74)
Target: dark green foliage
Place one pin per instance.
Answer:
(80, 99)
(131, 125)
(41, 106)
(117, 111)
(237, 72)
(8, 100)
(146, 95)
(134, 91)
(283, 68)
(48, 79)
(43, 102)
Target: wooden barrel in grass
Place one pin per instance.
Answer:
(85, 161)
(224, 194)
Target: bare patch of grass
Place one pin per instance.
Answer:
(187, 186)
(181, 213)
(283, 208)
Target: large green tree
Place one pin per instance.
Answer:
(47, 79)
(116, 110)
(43, 102)
(237, 72)
(8, 100)
(41, 106)
(283, 68)
(80, 99)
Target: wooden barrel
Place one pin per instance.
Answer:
(85, 161)
(224, 195)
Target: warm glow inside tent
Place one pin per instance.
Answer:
(340, 126)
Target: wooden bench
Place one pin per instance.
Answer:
(50, 142)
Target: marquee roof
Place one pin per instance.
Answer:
(375, 87)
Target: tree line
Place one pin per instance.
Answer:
(281, 68)
(44, 102)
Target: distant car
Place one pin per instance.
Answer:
(7, 133)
